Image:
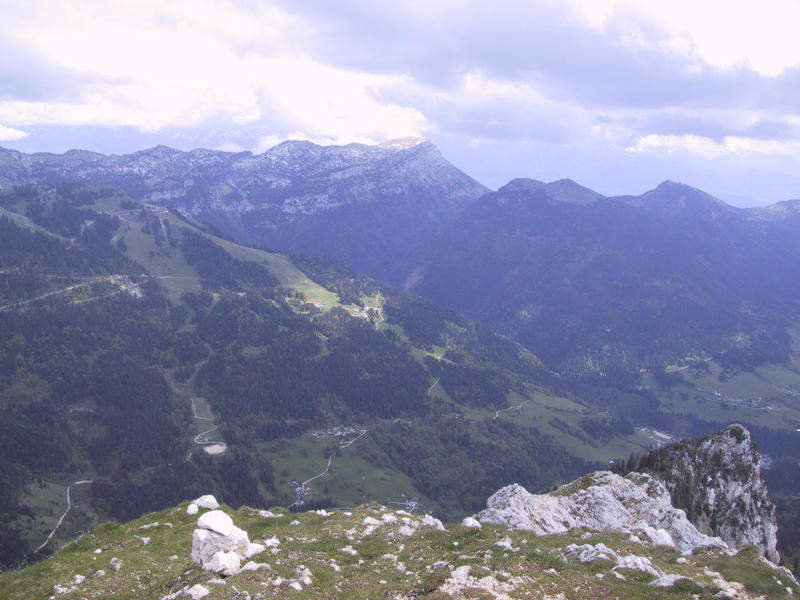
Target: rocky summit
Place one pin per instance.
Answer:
(602, 536)
(718, 480)
(378, 552)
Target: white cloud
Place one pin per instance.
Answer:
(179, 64)
(708, 148)
(723, 33)
(10, 134)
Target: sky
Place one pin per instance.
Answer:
(618, 95)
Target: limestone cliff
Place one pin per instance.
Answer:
(718, 480)
(637, 504)
(707, 491)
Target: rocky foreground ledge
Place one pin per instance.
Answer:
(602, 536)
(377, 552)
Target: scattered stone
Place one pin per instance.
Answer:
(471, 523)
(268, 514)
(295, 585)
(638, 563)
(272, 542)
(144, 540)
(667, 580)
(197, 591)
(430, 521)
(405, 530)
(304, 575)
(207, 502)
(295, 523)
(150, 525)
(322, 512)
(253, 549)
(98, 551)
(254, 566)
(507, 544)
(681, 560)
(78, 579)
(116, 563)
(350, 550)
(100, 573)
(588, 553)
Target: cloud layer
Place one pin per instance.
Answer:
(508, 89)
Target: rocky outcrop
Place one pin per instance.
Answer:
(219, 546)
(707, 491)
(638, 504)
(717, 479)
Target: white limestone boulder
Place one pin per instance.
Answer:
(207, 502)
(219, 546)
(225, 563)
(600, 501)
(216, 521)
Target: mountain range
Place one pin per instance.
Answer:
(152, 345)
(584, 281)
(363, 205)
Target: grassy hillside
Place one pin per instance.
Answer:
(148, 355)
(337, 556)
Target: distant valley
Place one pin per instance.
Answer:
(145, 327)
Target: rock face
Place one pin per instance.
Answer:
(717, 479)
(637, 503)
(338, 201)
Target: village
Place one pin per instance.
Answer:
(345, 433)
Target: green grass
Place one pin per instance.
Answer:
(359, 473)
(773, 407)
(23, 221)
(387, 564)
(46, 500)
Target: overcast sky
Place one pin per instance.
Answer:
(615, 94)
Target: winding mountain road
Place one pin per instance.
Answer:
(303, 490)
(517, 407)
(61, 519)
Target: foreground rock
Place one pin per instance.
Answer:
(638, 504)
(219, 546)
(377, 552)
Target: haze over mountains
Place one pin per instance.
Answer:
(583, 280)
(639, 318)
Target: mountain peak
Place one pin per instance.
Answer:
(676, 199)
(717, 479)
(404, 143)
(562, 190)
